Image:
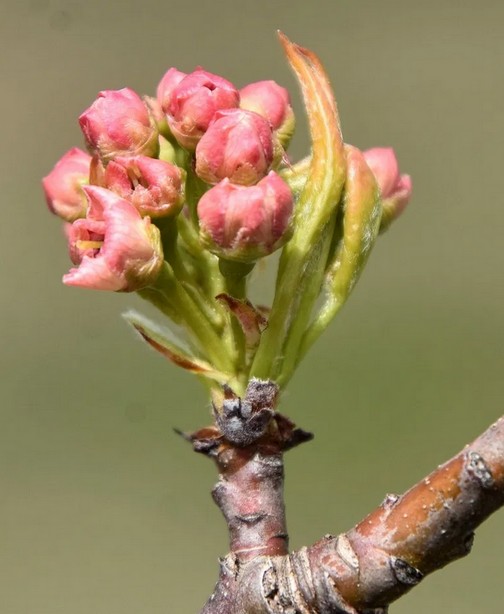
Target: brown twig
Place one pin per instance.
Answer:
(363, 570)
(408, 537)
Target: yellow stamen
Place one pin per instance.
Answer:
(83, 245)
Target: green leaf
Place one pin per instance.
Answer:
(158, 339)
(302, 263)
(361, 222)
(357, 234)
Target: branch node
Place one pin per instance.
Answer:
(345, 549)
(404, 572)
(476, 466)
(251, 519)
(244, 421)
(468, 542)
(390, 501)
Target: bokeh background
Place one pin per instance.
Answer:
(103, 509)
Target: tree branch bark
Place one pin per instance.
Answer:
(363, 570)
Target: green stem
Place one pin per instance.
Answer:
(235, 276)
(195, 188)
(194, 320)
(171, 249)
(235, 284)
(205, 263)
(169, 237)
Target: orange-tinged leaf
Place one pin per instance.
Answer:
(155, 337)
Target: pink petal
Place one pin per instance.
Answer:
(94, 273)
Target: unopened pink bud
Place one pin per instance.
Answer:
(238, 145)
(395, 188)
(155, 188)
(272, 102)
(119, 123)
(192, 103)
(168, 83)
(116, 249)
(63, 185)
(402, 196)
(246, 222)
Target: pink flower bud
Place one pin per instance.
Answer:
(153, 187)
(246, 222)
(238, 145)
(63, 185)
(272, 102)
(168, 83)
(119, 123)
(395, 188)
(114, 247)
(192, 103)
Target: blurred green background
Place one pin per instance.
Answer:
(104, 509)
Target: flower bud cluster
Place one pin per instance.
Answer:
(179, 194)
(232, 140)
(110, 194)
(236, 138)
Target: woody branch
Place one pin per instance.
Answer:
(381, 558)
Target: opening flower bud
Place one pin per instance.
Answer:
(238, 145)
(395, 189)
(116, 249)
(272, 102)
(192, 103)
(246, 222)
(153, 187)
(119, 123)
(63, 185)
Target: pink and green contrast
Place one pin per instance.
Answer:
(181, 195)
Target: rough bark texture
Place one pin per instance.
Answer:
(363, 570)
(249, 493)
